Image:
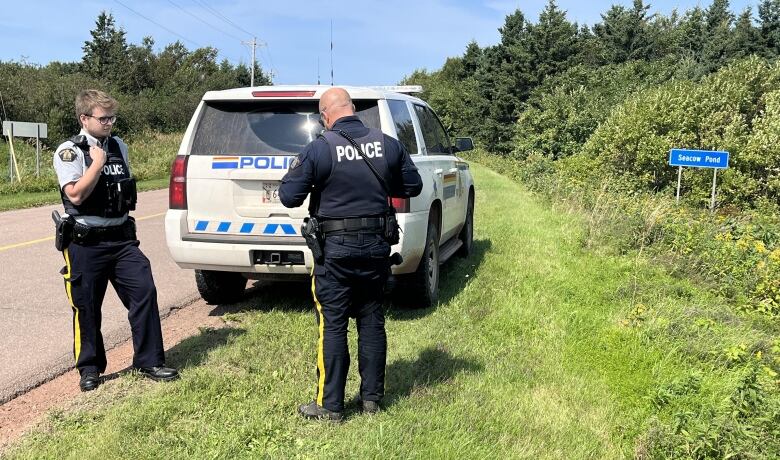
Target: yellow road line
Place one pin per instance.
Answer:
(50, 238)
(151, 216)
(26, 243)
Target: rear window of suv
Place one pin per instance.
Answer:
(265, 127)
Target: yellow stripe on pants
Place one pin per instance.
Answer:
(76, 328)
(320, 345)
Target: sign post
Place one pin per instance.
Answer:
(10, 151)
(699, 159)
(679, 180)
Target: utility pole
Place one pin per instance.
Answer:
(253, 44)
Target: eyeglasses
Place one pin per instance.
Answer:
(111, 119)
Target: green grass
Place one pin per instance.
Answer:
(539, 348)
(21, 200)
(150, 159)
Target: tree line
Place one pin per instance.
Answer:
(157, 90)
(617, 95)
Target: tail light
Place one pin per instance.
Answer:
(177, 189)
(277, 93)
(400, 204)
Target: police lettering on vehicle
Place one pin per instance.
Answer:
(252, 162)
(371, 149)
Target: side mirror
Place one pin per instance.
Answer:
(463, 144)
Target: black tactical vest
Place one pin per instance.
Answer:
(107, 199)
(352, 190)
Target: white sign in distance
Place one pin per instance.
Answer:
(25, 129)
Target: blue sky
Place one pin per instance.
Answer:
(374, 43)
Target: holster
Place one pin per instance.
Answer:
(63, 230)
(312, 233)
(392, 229)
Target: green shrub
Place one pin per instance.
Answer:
(735, 109)
(563, 112)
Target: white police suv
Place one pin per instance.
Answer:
(225, 219)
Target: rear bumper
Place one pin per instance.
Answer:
(234, 252)
(414, 228)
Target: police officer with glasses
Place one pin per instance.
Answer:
(355, 227)
(98, 242)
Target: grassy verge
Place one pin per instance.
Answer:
(150, 157)
(540, 348)
(30, 199)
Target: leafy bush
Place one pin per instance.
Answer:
(747, 425)
(735, 109)
(563, 112)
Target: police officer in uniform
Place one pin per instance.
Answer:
(351, 205)
(97, 192)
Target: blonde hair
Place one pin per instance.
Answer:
(88, 99)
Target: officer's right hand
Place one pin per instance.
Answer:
(98, 155)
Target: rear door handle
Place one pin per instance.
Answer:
(438, 172)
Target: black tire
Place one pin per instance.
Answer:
(220, 287)
(466, 235)
(421, 288)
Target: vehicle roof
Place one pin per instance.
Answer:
(356, 92)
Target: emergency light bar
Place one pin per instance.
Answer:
(403, 89)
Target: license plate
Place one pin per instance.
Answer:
(270, 192)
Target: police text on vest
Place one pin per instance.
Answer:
(371, 149)
(113, 170)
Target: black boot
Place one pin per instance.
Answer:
(317, 412)
(159, 373)
(89, 381)
(367, 407)
(370, 407)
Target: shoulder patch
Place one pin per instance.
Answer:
(67, 155)
(294, 163)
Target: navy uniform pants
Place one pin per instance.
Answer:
(87, 272)
(350, 283)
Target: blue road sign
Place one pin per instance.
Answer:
(699, 158)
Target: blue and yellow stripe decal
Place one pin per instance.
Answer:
(224, 163)
(243, 228)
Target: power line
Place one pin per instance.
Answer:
(204, 21)
(160, 25)
(223, 17)
(272, 70)
(214, 12)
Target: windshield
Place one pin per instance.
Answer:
(265, 127)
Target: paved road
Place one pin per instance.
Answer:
(35, 319)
